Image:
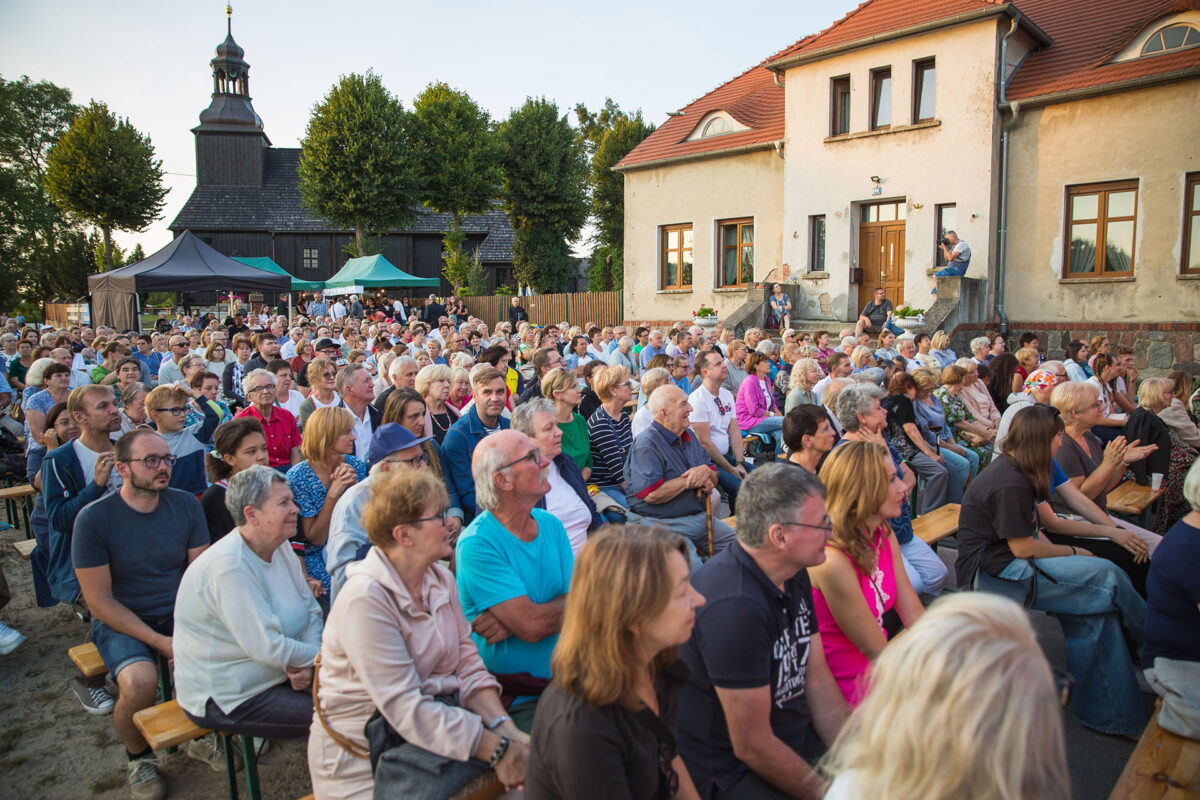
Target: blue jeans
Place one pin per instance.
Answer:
(926, 570)
(1099, 612)
(729, 482)
(771, 426)
(960, 468)
(953, 270)
(119, 650)
(893, 327)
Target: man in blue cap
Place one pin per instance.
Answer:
(392, 447)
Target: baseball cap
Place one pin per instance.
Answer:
(325, 344)
(391, 438)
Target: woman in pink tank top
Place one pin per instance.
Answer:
(863, 575)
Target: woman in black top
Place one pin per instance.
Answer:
(605, 727)
(237, 445)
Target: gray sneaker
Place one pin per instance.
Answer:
(210, 750)
(144, 781)
(96, 700)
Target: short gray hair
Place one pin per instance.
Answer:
(849, 340)
(766, 347)
(254, 375)
(658, 399)
(968, 364)
(980, 343)
(769, 495)
(856, 399)
(485, 463)
(250, 488)
(400, 363)
(524, 415)
(347, 374)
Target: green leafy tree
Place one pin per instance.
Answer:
(609, 134)
(354, 169)
(136, 254)
(457, 156)
(104, 171)
(544, 175)
(32, 118)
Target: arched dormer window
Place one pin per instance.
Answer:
(715, 123)
(1172, 37)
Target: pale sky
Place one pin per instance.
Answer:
(149, 60)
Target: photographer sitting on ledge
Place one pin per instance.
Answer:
(957, 254)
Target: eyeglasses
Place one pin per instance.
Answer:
(534, 455)
(262, 388)
(154, 462)
(827, 527)
(623, 385)
(174, 411)
(441, 515)
(415, 461)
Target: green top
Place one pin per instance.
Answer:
(99, 373)
(575, 441)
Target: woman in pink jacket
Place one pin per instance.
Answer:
(397, 641)
(755, 404)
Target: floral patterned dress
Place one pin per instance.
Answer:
(310, 493)
(956, 411)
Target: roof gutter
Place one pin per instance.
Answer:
(1005, 130)
(1085, 92)
(775, 144)
(1040, 36)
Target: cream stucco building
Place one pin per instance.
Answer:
(838, 163)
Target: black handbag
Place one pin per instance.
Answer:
(404, 771)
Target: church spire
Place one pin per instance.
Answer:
(230, 109)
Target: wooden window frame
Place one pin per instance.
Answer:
(813, 221)
(664, 232)
(1191, 217)
(738, 224)
(919, 68)
(834, 118)
(316, 258)
(877, 77)
(939, 260)
(1102, 219)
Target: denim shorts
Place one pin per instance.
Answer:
(119, 650)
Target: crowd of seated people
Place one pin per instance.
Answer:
(512, 548)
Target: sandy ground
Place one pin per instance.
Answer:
(51, 748)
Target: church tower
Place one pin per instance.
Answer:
(230, 141)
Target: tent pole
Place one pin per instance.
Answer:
(289, 311)
(137, 303)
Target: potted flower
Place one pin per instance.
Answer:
(705, 317)
(909, 318)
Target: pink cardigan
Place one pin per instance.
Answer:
(751, 405)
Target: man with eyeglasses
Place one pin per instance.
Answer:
(392, 447)
(545, 361)
(167, 406)
(168, 370)
(761, 704)
(514, 565)
(130, 550)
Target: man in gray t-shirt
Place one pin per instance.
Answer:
(129, 550)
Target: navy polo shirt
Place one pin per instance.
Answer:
(748, 634)
(657, 456)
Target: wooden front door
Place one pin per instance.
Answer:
(881, 257)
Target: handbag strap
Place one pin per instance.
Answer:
(354, 749)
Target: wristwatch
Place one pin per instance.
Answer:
(499, 752)
(498, 721)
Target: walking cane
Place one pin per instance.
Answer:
(708, 521)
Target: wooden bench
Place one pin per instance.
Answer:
(1132, 499)
(87, 658)
(17, 492)
(25, 548)
(731, 522)
(11, 495)
(1162, 765)
(931, 528)
(165, 725)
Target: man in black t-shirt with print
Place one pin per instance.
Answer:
(761, 704)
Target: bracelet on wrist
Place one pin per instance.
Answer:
(1074, 552)
(498, 721)
(499, 752)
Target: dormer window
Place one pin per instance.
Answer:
(1172, 37)
(715, 123)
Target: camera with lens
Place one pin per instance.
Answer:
(944, 242)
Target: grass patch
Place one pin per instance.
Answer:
(114, 780)
(9, 738)
(48, 695)
(100, 737)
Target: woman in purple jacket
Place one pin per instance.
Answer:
(755, 405)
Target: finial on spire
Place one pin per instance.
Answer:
(229, 18)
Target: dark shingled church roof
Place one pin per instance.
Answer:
(275, 206)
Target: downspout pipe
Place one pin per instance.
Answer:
(1005, 130)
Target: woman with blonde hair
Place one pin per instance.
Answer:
(605, 727)
(561, 388)
(986, 712)
(860, 357)
(1027, 362)
(863, 576)
(1161, 394)
(1174, 456)
(940, 344)
(806, 373)
(610, 432)
(214, 357)
(329, 468)
(974, 393)
(433, 384)
(968, 432)
(397, 641)
(460, 387)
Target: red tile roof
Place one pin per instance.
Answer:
(751, 98)
(1087, 34)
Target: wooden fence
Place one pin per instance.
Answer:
(65, 315)
(602, 308)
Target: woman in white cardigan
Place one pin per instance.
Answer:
(247, 626)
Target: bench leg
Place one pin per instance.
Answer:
(250, 759)
(230, 765)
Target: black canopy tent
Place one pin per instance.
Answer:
(185, 265)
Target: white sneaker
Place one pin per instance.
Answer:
(144, 781)
(9, 639)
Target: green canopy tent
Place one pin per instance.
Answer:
(375, 272)
(265, 262)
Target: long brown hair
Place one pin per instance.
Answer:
(857, 484)
(620, 582)
(1029, 445)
